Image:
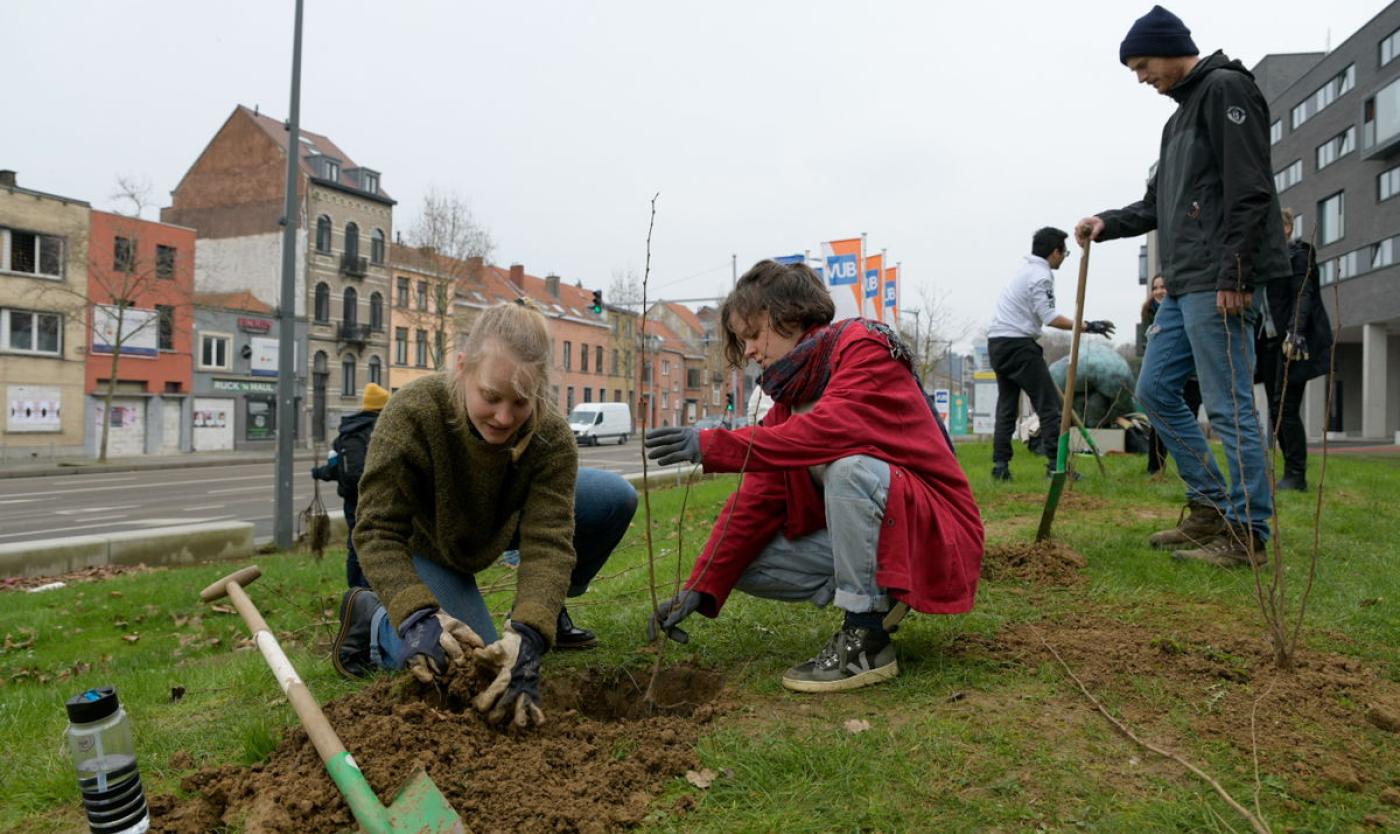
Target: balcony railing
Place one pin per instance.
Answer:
(353, 267)
(353, 333)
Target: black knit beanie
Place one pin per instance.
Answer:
(1157, 34)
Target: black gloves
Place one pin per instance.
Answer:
(515, 693)
(1102, 327)
(680, 444)
(431, 640)
(669, 614)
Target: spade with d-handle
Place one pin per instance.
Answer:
(1057, 480)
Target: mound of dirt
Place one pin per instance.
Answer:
(1178, 679)
(595, 765)
(1041, 563)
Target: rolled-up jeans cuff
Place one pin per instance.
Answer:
(861, 603)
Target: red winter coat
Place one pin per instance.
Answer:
(930, 551)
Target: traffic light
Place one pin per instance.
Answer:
(729, 402)
(597, 301)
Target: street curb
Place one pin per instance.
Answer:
(185, 544)
(156, 464)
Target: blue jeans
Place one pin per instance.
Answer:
(836, 564)
(603, 507)
(1189, 336)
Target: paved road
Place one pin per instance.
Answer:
(69, 505)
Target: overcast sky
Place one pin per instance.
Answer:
(947, 132)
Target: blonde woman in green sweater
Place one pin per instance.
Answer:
(463, 466)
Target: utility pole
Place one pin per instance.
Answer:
(286, 320)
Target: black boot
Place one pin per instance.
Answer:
(569, 636)
(350, 652)
(1293, 480)
(1001, 472)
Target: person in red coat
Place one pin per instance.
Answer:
(851, 492)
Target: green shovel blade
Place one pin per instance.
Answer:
(420, 807)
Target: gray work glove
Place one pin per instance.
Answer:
(1295, 347)
(669, 614)
(432, 640)
(1102, 327)
(680, 444)
(515, 692)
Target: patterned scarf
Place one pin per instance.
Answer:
(801, 375)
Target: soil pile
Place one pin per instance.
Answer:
(1041, 563)
(1322, 724)
(595, 765)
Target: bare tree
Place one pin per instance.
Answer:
(117, 288)
(931, 329)
(445, 235)
(625, 289)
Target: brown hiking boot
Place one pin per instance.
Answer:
(1237, 547)
(1200, 523)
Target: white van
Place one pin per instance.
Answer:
(592, 422)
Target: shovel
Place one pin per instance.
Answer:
(1057, 480)
(420, 808)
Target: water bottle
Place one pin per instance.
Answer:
(104, 753)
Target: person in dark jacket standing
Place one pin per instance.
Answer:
(1026, 305)
(347, 464)
(1220, 233)
(1294, 345)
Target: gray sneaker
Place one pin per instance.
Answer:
(852, 658)
(1200, 524)
(1237, 547)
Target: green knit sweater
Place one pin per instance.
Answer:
(432, 486)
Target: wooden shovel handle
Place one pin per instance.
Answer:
(1066, 414)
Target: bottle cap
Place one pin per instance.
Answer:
(92, 705)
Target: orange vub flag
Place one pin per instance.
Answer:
(891, 295)
(874, 267)
(843, 276)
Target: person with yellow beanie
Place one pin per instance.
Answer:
(345, 466)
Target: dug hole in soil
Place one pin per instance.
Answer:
(595, 765)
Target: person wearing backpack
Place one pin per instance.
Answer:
(345, 466)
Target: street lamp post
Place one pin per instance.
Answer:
(286, 320)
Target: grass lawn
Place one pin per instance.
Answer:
(982, 731)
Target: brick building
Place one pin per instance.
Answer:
(141, 280)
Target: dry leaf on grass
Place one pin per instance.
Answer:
(701, 778)
(131, 638)
(856, 725)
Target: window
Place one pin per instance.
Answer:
(401, 345)
(598, 359)
(376, 312)
(165, 262)
(420, 353)
(1336, 86)
(1390, 47)
(1331, 219)
(569, 359)
(617, 395)
(123, 254)
(588, 395)
(260, 422)
(583, 359)
(1336, 147)
(692, 378)
(665, 367)
(376, 246)
(1388, 183)
(402, 300)
(323, 234)
(349, 304)
(165, 335)
(616, 368)
(422, 296)
(1283, 180)
(31, 253)
(213, 351)
(26, 332)
(1297, 227)
(1383, 253)
(371, 183)
(569, 403)
(1276, 132)
(376, 374)
(323, 303)
(1382, 116)
(332, 169)
(352, 240)
(347, 376)
(602, 395)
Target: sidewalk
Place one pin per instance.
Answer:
(90, 466)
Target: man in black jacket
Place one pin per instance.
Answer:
(1220, 235)
(347, 464)
(1294, 345)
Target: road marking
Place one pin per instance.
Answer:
(102, 479)
(17, 500)
(87, 510)
(207, 507)
(173, 522)
(236, 489)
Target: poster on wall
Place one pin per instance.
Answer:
(33, 408)
(264, 356)
(139, 330)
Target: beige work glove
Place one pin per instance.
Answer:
(515, 692)
(433, 640)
